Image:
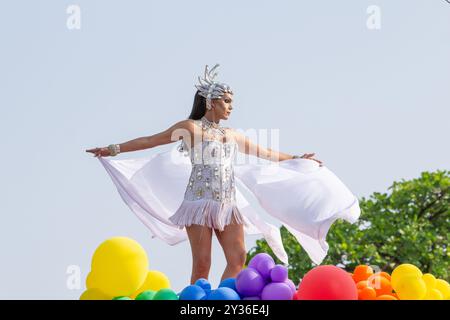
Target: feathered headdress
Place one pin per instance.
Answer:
(209, 88)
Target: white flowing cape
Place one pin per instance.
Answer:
(303, 196)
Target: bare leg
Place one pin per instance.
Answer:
(232, 241)
(200, 239)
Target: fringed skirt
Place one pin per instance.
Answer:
(207, 212)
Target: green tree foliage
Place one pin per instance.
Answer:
(409, 224)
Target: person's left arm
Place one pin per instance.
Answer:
(245, 145)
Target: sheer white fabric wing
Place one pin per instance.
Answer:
(306, 198)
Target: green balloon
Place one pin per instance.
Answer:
(122, 298)
(165, 294)
(146, 295)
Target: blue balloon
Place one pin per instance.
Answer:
(193, 292)
(202, 282)
(228, 283)
(223, 293)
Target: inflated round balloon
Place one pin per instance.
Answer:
(430, 280)
(204, 283)
(193, 292)
(229, 283)
(410, 287)
(327, 283)
(365, 292)
(223, 293)
(119, 267)
(444, 288)
(264, 268)
(384, 274)
(252, 298)
(277, 291)
(361, 273)
(404, 270)
(291, 285)
(165, 294)
(380, 284)
(249, 282)
(89, 281)
(155, 280)
(122, 298)
(94, 294)
(146, 295)
(279, 273)
(259, 257)
(386, 297)
(433, 294)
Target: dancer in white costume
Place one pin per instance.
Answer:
(191, 191)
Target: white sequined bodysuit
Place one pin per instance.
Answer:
(210, 196)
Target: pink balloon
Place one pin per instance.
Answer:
(277, 291)
(327, 283)
(249, 282)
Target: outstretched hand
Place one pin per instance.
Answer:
(100, 152)
(310, 157)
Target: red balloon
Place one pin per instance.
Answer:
(327, 283)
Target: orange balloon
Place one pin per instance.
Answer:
(384, 274)
(386, 297)
(381, 285)
(367, 293)
(362, 284)
(362, 272)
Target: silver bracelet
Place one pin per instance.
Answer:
(114, 149)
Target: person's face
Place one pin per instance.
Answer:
(222, 107)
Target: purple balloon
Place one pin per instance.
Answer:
(279, 273)
(264, 267)
(277, 291)
(252, 298)
(249, 282)
(257, 258)
(291, 285)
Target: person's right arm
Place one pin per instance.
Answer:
(174, 133)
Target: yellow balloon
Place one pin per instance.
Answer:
(430, 280)
(155, 281)
(94, 294)
(404, 270)
(89, 281)
(444, 288)
(410, 287)
(119, 267)
(433, 294)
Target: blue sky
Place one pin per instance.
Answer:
(373, 104)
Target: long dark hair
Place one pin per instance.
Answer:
(199, 107)
(197, 112)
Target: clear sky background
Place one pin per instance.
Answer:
(372, 103)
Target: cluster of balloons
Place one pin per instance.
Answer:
(120, 271)
(406, 282)
(264, 280)
(201, 290)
